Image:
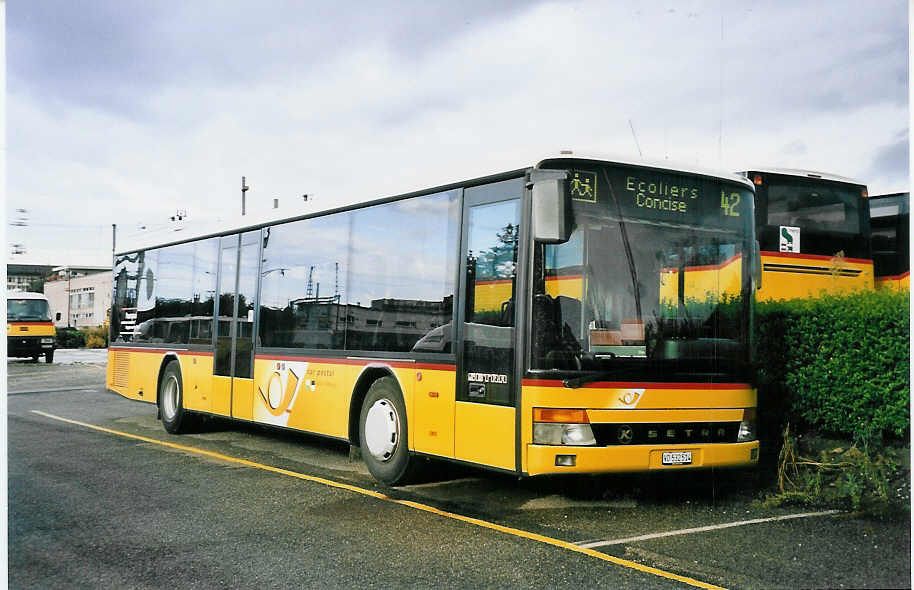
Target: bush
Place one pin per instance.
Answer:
(70, 338)
(97, 337)
(838, 364)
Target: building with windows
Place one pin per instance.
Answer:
(80, 297)
(22, 277)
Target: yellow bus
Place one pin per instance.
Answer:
(29, 329)
(814, 231)
(524, 322)
(890, 220)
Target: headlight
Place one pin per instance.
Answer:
(747, 432)
(559, 433)
(47, 341)
(578, 434)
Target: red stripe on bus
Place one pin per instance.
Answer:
(359, 362)
(161, 351)
(563, 277)
(726, 262)
(795, 256)
(15, 323)
(632, 385)
(894, 277)
(494, 282)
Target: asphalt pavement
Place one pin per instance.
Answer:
(101, 497)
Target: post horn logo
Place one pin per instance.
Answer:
(276, 399)
(629, 397)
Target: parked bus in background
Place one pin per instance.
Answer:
(814, 232)
(889, 218)
(29, 329)
(577, 316)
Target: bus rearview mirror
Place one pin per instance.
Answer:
(551, 210)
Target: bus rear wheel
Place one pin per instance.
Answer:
(382, 433)
(175, 418)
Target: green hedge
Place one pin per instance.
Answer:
(70, 338)
(838, 364)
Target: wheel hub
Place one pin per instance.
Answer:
(170, 398)
(382, 430)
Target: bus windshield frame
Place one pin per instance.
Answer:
(654, 283)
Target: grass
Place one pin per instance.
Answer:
(863, 475)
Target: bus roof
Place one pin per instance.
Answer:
(257, 221)
(806, 174)
(649, 163)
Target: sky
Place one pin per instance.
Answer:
(127, 112)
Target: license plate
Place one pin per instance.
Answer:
(677, 458)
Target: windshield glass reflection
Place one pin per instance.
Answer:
(625, 292)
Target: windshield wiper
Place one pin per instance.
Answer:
(632, 269)
(576, 382)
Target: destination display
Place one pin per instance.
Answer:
(662, 196)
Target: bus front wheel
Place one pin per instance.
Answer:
(171, 400)
(382, 433)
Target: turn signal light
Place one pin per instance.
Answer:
(758, 179)
(564, 415)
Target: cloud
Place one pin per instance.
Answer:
(124, 112)
(892, 162)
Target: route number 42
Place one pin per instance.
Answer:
(729, 203)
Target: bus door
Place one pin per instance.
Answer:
(233, 366)
(484, 420)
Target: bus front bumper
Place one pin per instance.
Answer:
(23, 346)
(546, 459)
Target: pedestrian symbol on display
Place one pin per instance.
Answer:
(789, 239)
(584, 186)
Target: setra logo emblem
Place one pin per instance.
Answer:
(625, 434)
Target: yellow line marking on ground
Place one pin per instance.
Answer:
(423, 507)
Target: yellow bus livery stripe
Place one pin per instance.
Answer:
(30, 329)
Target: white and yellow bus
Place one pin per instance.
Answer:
(539, 321)
(814, 231)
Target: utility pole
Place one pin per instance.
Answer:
(113, 238)
(244, 189)
(69, 297)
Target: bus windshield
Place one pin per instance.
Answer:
(20, 310)
(639, 285)
(820, 206)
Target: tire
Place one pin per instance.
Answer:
(49, 357)
(383, 433)
(175, 418)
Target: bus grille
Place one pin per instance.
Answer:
(675, 433)
(121, 370)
